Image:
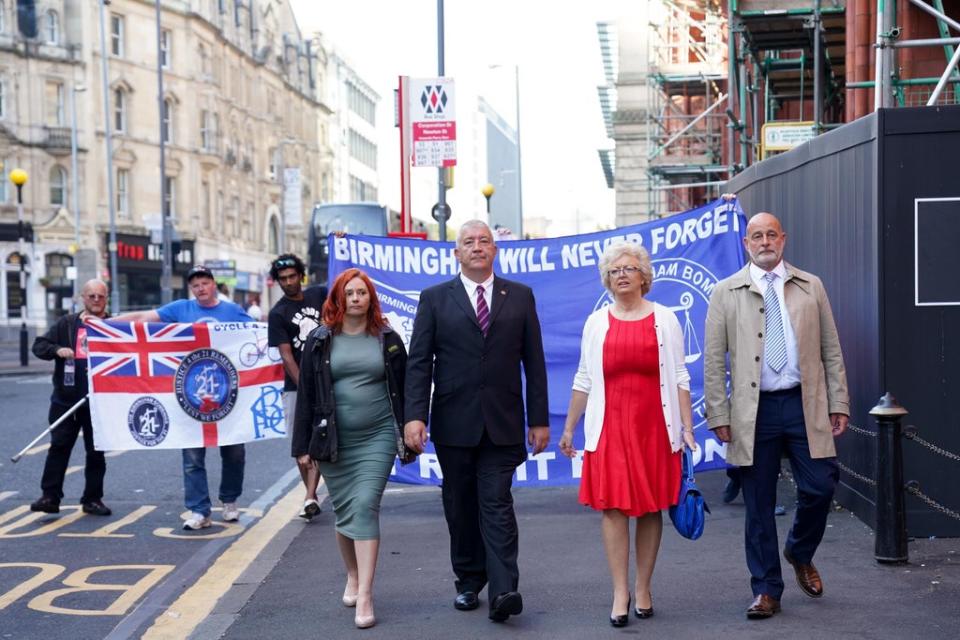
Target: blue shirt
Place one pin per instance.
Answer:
(191, 311)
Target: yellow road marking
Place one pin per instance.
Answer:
(196, 603)
(37, 449)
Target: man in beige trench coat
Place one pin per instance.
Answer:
(788, 395)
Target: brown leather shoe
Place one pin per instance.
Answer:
(807, 576)
(763, 607)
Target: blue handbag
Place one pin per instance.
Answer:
(687, 514)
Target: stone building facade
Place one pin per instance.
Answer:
(243, 99)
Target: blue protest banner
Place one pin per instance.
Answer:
(690, 252)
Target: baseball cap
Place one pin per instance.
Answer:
(199, 270)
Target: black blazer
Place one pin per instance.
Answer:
(476, 380)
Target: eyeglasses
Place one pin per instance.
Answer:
(95, 296)
(285, 262)
(616, 272)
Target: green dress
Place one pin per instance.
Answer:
(365, 430)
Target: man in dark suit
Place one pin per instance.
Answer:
(470, 337)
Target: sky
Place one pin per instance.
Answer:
(555, 47)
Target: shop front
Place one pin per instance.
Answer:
(140, 267)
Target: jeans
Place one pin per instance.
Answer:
(196, 491)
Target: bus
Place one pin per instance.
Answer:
(367, 218)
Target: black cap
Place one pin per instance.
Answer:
(199, 270)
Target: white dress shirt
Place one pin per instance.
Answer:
(471, 288)
(789, 376)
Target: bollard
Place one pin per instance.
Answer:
(891, 529)
(24, 338)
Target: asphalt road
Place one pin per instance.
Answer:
(49, 562)
(136, 574)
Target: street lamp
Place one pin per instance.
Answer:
(19, 178)
(108, 143)
(487, 191)
(75, 200)
(516, 94)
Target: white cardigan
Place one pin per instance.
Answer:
(673, 372)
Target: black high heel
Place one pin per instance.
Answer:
(644, 613)
(621, 621)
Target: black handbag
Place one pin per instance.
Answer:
(688, 514)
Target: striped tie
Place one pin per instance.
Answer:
(775, 347)
(483, 312)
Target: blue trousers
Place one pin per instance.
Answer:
(196, 491)
(781, 430)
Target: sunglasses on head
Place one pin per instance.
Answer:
(285, 262)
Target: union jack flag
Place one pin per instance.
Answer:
(140, 357)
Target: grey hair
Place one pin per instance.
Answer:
(622, 248)
(470, 224)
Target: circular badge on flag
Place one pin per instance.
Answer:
(206, 385)
(148, 421)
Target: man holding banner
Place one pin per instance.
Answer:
(788, 393)
(65, 344)
(470, 337)
(206, 307)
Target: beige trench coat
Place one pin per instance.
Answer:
(735, 325)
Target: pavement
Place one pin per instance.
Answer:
(10, 360)
(700, 588)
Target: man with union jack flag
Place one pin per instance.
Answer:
(205, 307)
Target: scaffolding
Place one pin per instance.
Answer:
(687, 81)
(787, 64)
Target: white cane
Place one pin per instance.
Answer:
(56, 424)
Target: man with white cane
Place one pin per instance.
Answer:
(65, 343)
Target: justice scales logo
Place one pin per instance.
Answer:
(206, 385)
(148, 421)
(684, 287)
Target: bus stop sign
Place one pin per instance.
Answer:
(437, 213)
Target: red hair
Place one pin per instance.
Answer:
(335, 305)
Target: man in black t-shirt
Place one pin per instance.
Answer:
(290, 322)
(66, 344)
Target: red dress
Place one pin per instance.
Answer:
(633, 468)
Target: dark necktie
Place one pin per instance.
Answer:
(483, 312)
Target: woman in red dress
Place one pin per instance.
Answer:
(633, 385)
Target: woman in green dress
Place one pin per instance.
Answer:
(348, 412)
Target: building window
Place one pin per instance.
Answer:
(362, 149)
(116, 35)
(273, 236)
(170, 199)
(361, 191)
(52, 27)
(8, 167)
(205, 205)
(3, 92)
(120, 111)
(166, 43)
(123, 189)
(209, 123)
(14, 293)
(55, 104)
(56, 271)
(251, 221)
(361, 104)
(276, 160)
(58, 185)
(166, 127)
